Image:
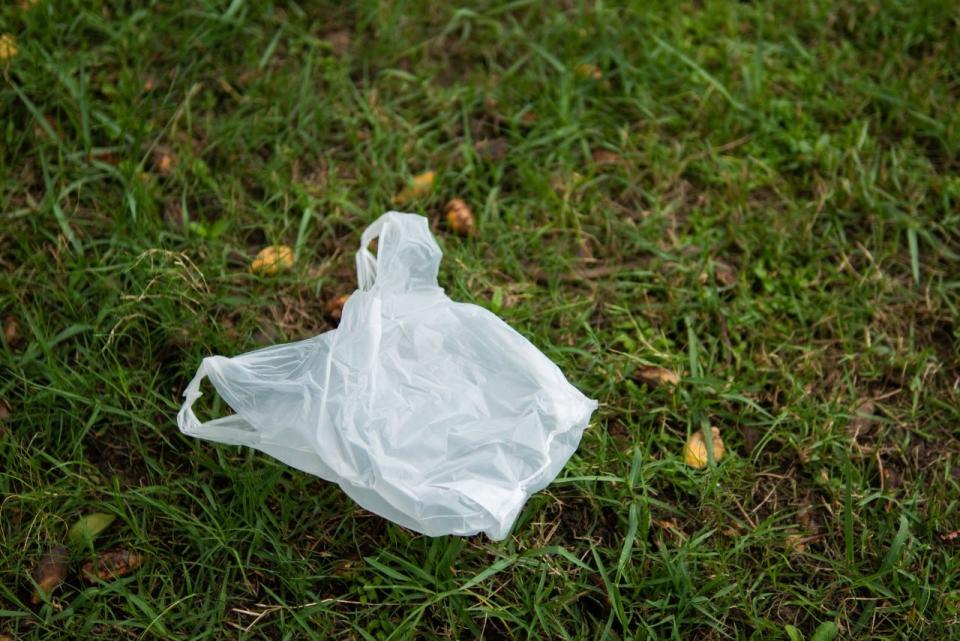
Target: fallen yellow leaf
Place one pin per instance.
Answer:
(695, 450)
(795, 544)
(563, 184)
(460, 218)
(334, 306)
(593, 72)
(8, 46)
(655, 376)
(272, 259)
(587, 70)
(420, 186)
(424, 180)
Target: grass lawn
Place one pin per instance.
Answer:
(763, 198)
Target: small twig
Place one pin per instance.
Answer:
(744, 512)
(765, 499)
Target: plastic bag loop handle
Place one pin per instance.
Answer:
(366, 261)
(228, 429)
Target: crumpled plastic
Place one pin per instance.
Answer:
(434, 414)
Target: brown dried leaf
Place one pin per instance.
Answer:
(863, 419)
(50, 572)
(493, 149)
(11, 331)
(656, 376)
(339, 41)
(529, 117)
(164, 160)
(246, 77)
(420, 186)
(672, 527)
(104, 156)
(272, 259)
(460, 217)
(795, 544)
(111, 564)
(806, 518)
(695, 449)
(334, 307)
(605, 157)
(950, 536)
(725, 274)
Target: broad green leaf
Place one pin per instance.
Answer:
(88, 527)
(793, 633)
(827, 631)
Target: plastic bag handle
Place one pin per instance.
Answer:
(366, 261)
(407, 259)
(230, 430)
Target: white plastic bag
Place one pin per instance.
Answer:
(433, 414)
